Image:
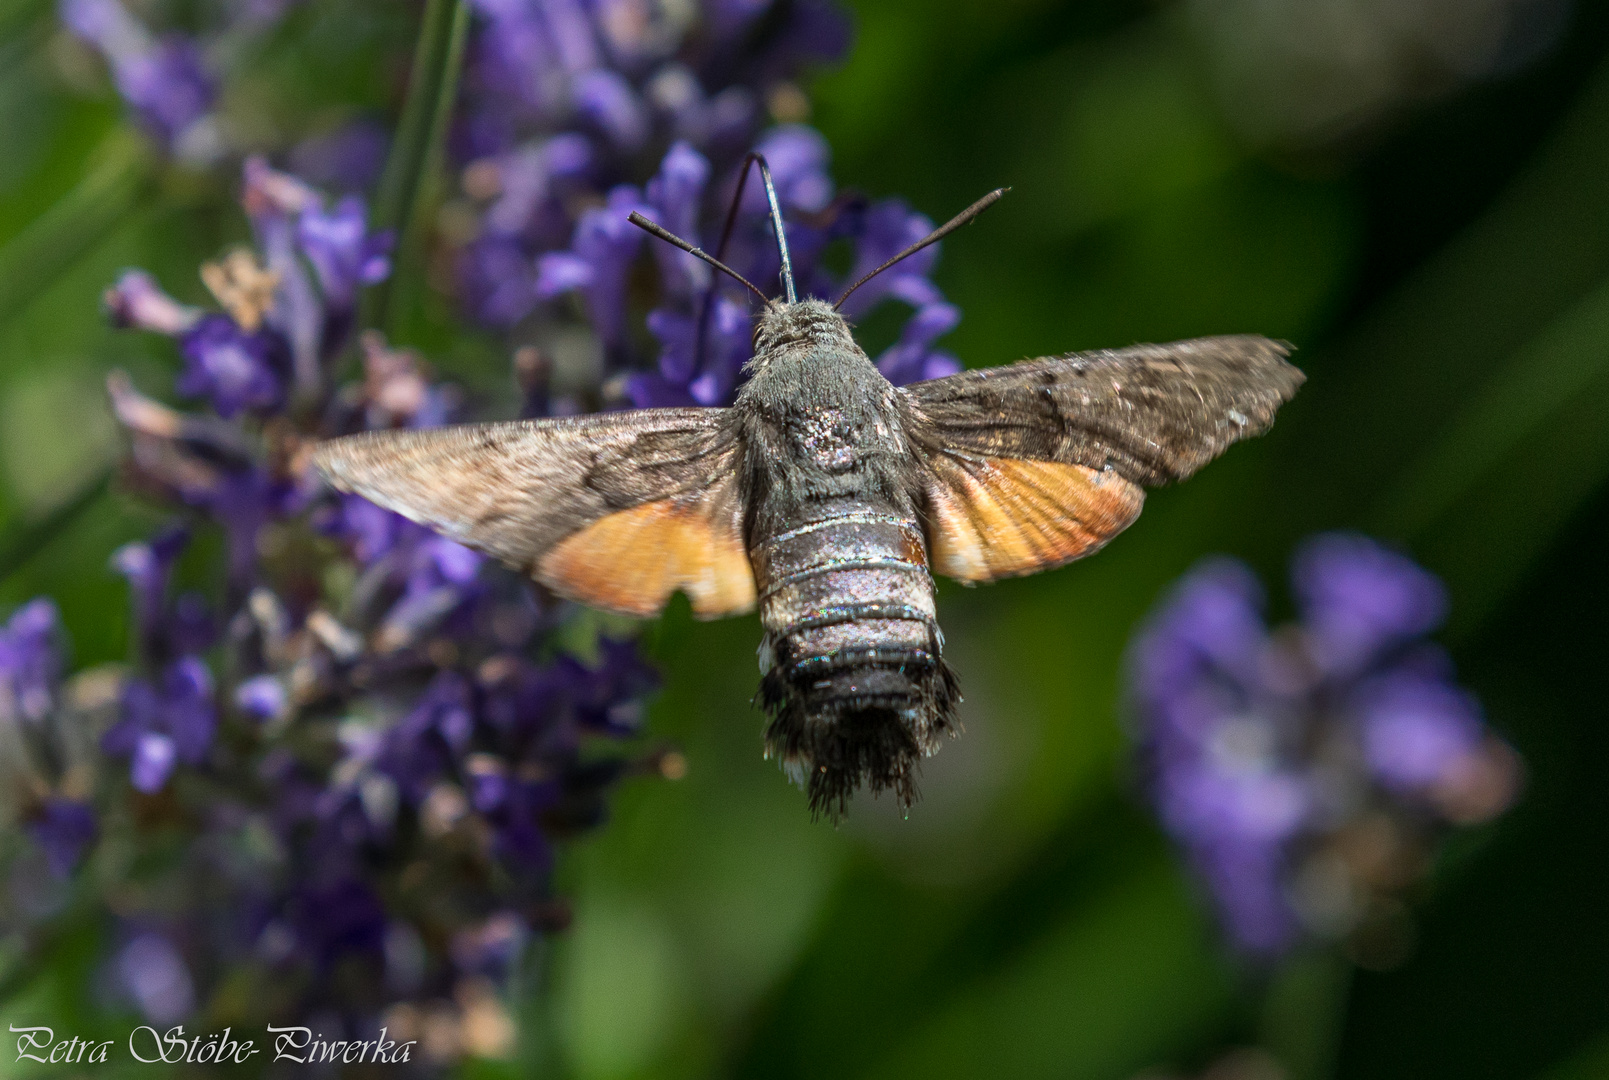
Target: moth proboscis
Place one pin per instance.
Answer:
(828, 496)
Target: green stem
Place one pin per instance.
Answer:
(52, 242)
(421, 137)
(23, 542)
(1304, 1010)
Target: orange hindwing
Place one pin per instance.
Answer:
(1002, 517)
(630, 561)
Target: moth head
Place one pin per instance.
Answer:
(808, 322)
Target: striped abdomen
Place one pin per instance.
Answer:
(853, 672)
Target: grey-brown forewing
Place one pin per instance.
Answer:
(1033, 464)
(617, 510)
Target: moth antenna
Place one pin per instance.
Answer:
(671, 238)
(933, 237)
(720, 253)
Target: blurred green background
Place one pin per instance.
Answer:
(1430, 228)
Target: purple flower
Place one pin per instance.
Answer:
(1265, 753)
(163, 723)
(1360, 599)
(157, 978)
(371, 530)
(515, 807)
(162, 80)
(262, 697)
(282, 330)
(344, 253)
(1416, 728)
(337, 919)
(913, 357)
(350, 158)
(64, 828)
(613, 83)
(813, 32)
(703, 349)
(30, 662)
(148, 566)
(402, 721)
(684, 377)
(676, 193)
(527, 184)
(499, 281)
(171, 92)
(315, 327)
(608, 697)
(234, 370)
(887, 228)
(1212, 620)
(608, 102)
(600, 255)
(798, 157)
(438, 729)
(138, 301)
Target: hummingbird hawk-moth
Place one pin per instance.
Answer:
(829, 497)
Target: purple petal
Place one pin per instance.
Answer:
(500, 283)
(606, 99)
(560, 272)
(187, 689)
(156, 977)
(167, 87)
(1212, 619)
(453, 561)
(677, 194)
(30, 661)
(906, 361)
(262, 697)
(234, 370)
(154, 757)
(64, 828)
(1360, 598)
(343, 253)
(350, 158)
(138, 301)
(1416, 729)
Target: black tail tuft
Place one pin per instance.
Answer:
(868, 720)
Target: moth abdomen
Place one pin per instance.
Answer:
(855, 678)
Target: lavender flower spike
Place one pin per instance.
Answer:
(30, 664)
(162, 80)
(1306, 772)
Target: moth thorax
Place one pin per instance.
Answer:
(812, 321)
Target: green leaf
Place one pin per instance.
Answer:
(16, 15)
(24, 541)
(1513, 464)
(120, 170)
(1129, 975)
